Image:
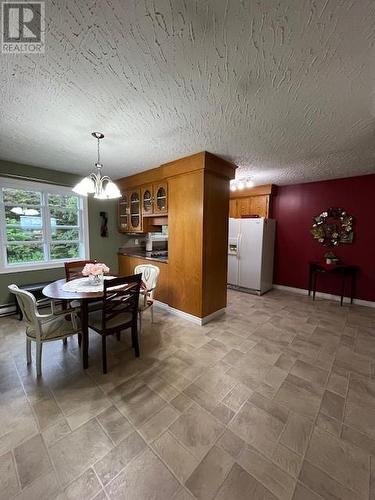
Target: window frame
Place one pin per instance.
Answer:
(45, 189)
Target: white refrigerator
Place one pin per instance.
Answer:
(251, 246)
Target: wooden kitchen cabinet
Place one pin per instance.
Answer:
(233, 208)
(154, 199)
(135, 215)
(259, 205)
(127, 265)
(161, 198)
(147, 195)
(251, 201)
(123, 213)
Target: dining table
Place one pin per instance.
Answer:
(57, 290)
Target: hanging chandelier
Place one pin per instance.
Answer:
(101, 186)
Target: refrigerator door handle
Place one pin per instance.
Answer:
(238, 245)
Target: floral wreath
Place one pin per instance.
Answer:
(332, 227)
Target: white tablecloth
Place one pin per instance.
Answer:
(84, 285)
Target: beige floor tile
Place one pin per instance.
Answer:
(338, 384)
(328, 424)
(79, 450)
(358, 439)
(85, 487)
(239, 485)
(347, 359)
(158, 423)
(78, 394)
(333, 405)
(56, 432)
(237, 397)
(210, 402)
(300, 396)
(207, 478)
(145, 477)
(303, 493)
(140, 405)
(32, 460)
(8, 477)
(346, 463)
(275, 409)
(365, 344)
(115, 424)
(253, 423)
(255, 344)
(297, 432)
(272, 477)
(182, 402)
(309, 372)
(180, 461)
(372, 479)
(325, 486)
(251, 370)
(360, 418)
(361, 391)
(231, 443)
(287, 460)
(47, 413)
(216, 383)
(100, 496)
(114, 461)
(197, 430)
(285, 361)
(234, 356)
(45, 487)
(161, 387)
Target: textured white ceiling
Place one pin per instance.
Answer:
(285, 88)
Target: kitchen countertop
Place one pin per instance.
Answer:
(142, 255)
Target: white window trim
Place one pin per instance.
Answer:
(50, 188)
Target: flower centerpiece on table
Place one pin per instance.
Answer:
(95, 272)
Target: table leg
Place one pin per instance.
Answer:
(85, 333)
(315, 277)
(352, 289)
(343, 288)
(310, 279)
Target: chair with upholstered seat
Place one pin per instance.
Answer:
(42, 328)
(150, 275)
(119, 311)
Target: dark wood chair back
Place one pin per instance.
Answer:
(120, 302)
(73, 270)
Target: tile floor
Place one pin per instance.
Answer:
(275, 400)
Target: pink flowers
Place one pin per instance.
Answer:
(95, 269)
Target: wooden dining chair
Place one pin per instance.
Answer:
(119, 311)
(41, 328)
(73, 270)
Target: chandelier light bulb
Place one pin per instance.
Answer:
(241, 185)
(101, 186)
(249, 183)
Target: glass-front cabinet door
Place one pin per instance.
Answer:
(123, 213)
(161, 198)
(135, 223)
(147, 200)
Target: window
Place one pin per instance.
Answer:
(40, 226)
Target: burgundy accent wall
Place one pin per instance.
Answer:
(294, 208)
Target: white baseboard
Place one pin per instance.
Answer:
(327, 296)
(7, 310)
(187, 316)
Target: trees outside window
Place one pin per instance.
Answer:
(40, 225)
